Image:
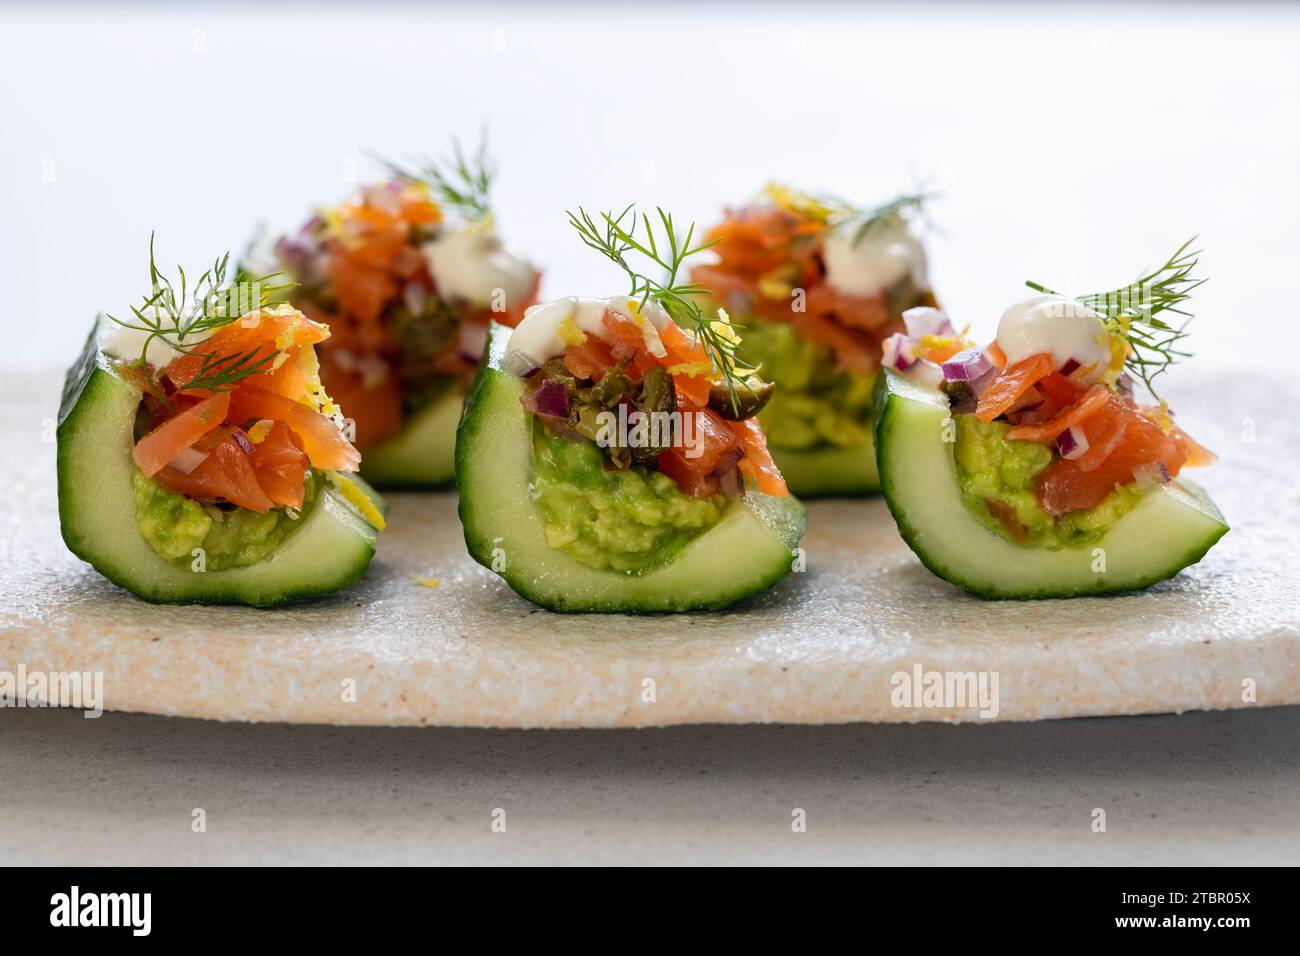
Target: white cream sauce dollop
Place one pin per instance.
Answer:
(470, 264)
(867, 265)
(541, 334)
(1063, 328)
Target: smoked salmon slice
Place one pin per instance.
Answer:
(156, 449)
(226, 473)
(280, 465)
(758, 463)
(321, 439)
(1095, 398)
(1082, 483)
(1006, 389)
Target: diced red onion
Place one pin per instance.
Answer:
(729, 483)
(295, 252)
(925, 373)
(898, 353)
(345, 359)
(519, 364)
(967, 366)
(242, 441)
(550, 399)
(472, 338)
(1070, 367)
(415, 296)
(187, 459)
(1151, 475)
(728, 461)
(385, 197)
(924, 320)
(739, 303)
(374, 371)
(1072, 443)
(981, 385)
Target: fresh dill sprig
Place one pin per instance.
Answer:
(464, 182)
(173, 316)
(891, 213)
(1133, 311)
(611, 238)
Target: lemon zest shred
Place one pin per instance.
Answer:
(261, 428)
(1160, 415)
(796, 201)
(771, 287)
(358, 499)
(333, 217)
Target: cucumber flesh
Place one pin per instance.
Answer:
(423, 454)
(328, 551)
(826, 472)
(746, 552)
(1171, 528)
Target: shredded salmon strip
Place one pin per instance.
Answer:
(1092, 400)
(1007, 388)
(161, 445)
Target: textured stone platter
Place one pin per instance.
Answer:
(820, 648)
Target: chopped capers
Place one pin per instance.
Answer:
(423, 335)
(751, 395)
(556, 369)
(656, 392)
(957, 392)
(586, 423)
(610, 390)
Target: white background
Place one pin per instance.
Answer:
(1074, 146)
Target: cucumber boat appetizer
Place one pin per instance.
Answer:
(407, 275)
(817, 285)
(1031, 468)
(609, 457)
(200, 460)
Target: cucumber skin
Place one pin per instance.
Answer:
(93, 371)
(785, 519)
(885, 402)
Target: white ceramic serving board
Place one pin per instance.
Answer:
(822, 647)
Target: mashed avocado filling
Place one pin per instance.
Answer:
(627, 520)
(998, 478)
(175, 525)
(815, 405)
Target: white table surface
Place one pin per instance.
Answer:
(1071, 145)
(1211, 788)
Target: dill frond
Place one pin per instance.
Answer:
(463, 182)
(175, 315)
(608, 235)
(834, 212)
(1134, 310)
